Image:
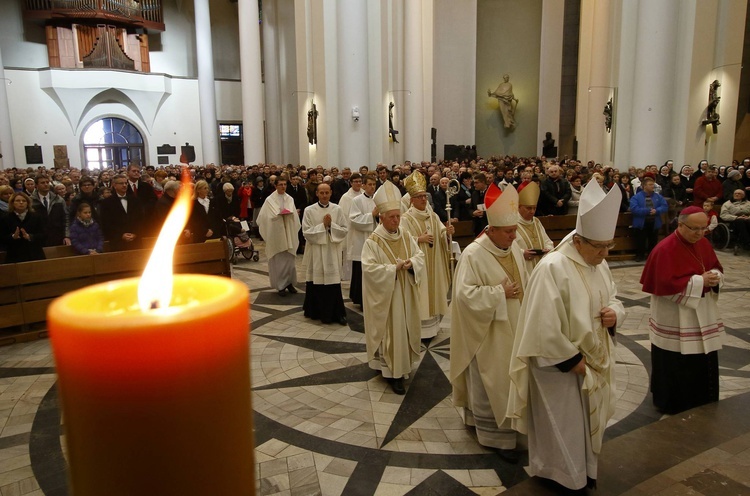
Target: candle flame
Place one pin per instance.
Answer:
(155, 287)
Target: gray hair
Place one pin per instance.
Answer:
(172, 186)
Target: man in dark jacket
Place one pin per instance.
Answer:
(122, 217)
(51, 208)
(555, 195)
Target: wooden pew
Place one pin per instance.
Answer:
(28, 288)
(559, 226)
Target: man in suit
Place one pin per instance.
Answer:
(342, 185)
(51, 208)
(146, 196)
(122, 217)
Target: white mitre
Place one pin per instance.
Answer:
(387, 197)
(597, 212)
(501, 205)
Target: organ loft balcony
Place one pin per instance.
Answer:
(97, 34)
(135, 14)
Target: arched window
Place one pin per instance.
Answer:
(111, 143)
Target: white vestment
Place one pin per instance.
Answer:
(483, 324)
(563, 413)
(532, 236)
(279, 231)
(346, 204)
(322, 259)
(688, 323)
(433, 301)
(361, 224)
(392, 326)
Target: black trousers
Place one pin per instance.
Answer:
(645, 238)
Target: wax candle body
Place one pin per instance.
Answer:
(156, 402)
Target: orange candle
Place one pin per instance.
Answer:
(156, 401)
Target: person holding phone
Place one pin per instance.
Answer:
(532, 238)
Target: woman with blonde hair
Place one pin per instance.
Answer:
(204, 220)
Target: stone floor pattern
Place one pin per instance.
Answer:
(326, 424)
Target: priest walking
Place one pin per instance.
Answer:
(532, 237)
(392, 269)
(324, 228)
(487, 295)
(683, 276)
(279, 224)
(563, 368)
(432, 237)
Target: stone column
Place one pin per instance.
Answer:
(272, 91)
(252, 84)
(353, 87)
(206, 85)
(654, 82)
(414, 128)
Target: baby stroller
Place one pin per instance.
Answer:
(240, 242)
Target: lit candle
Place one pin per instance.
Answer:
(156, 400)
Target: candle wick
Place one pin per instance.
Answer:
(154, 304)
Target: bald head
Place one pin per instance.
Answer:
(323, 192)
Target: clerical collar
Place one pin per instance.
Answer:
(392, 232)
(323, 206)
(368, 196)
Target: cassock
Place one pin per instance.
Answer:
(322, 262)
(346, 205)
(483, 324)
(532, 236)
(685, 329)
(433, 300)
(564, 414)
(361, 225)
(279, 224)
(392, 327)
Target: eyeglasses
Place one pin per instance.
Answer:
(598, 246)
(696, 230)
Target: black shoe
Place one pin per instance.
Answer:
(398, 385)
(282, 292)
(342, 320)
(510, 456)
(292, 289)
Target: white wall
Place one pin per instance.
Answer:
(54, 107)
(37, 117)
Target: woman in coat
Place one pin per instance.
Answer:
(22, 231)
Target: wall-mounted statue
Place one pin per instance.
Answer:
(312, 125)
(608, 110)
(549, 149)
(506, 100)
(391, 132)
(712, 116)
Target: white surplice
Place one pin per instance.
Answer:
(346, 204)
(279, 231)
(322, 259)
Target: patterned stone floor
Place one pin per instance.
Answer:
(328, 425)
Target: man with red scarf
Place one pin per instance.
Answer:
(683, 276)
